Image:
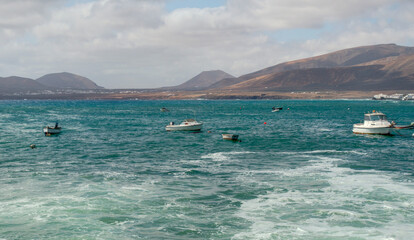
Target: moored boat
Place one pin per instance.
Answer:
(276, 109)
(228, 136)
(411, 126)
(186, 125)
(52, 130)
(374, 123)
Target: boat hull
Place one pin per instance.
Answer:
(194, 127)
(51, 131)
(359, 129)
(232, 137)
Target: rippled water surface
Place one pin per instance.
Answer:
(115, 173)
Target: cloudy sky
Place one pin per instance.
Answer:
(154, 43)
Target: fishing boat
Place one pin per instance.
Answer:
(186, 125)
(374, 123)
(227, 136)
(377, 123)
(52, 130)
(276, 109)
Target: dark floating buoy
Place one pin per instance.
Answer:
(32, 146)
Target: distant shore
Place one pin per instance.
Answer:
(180, 95)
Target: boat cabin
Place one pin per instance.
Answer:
(375, 117)
(374, 123)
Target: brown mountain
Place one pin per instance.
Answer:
(202, 80)
(67, 81)
(18, 84)
(378, 67)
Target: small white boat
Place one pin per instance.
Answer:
(187, 125)
(52, 130)
(411, 126)
(276, 109)
(164, 109)
(227, 136)
(374, 123)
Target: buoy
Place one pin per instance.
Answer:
(209, 131)
(373, 111)
(265, 123)
(32, 146)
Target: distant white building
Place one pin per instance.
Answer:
(380, 96)
(396, 96)
(409, 97)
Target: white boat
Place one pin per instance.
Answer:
(374, 123)
(228, 136)
(52, 130)
(186, 125)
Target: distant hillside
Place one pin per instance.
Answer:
(203, 80)
(342, 58)
(378, 67)
(67, 81)
(18, 84)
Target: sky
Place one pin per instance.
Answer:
(156, 43)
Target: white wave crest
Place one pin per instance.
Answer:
(325, 200)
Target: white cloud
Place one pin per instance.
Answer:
(138, 43)
(20, 14)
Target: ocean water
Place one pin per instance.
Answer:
(115, 173)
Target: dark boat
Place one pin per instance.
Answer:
(276, 109)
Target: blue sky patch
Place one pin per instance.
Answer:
(172, 5)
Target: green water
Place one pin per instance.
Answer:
(115, 173)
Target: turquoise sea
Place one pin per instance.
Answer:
(115, 173)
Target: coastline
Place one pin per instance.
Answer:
(212, 95)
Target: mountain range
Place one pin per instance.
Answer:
(368, 68)
(53, 81)
(377, 67)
